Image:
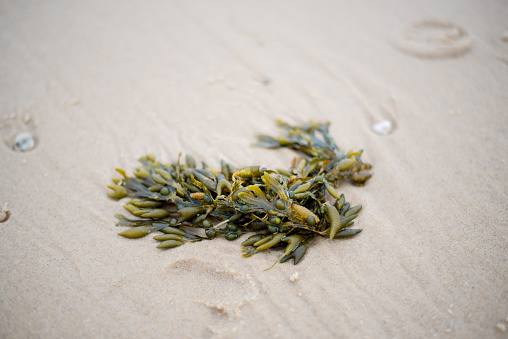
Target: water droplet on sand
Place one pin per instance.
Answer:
(23, 142)
(383, 127)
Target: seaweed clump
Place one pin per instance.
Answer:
(279, 206)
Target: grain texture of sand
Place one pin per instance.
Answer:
(421, 86)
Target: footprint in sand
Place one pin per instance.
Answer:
(377, 100)
(379, 104)
(218, 289)
(433, 39)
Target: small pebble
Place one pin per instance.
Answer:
(294, 277)
(501, 327)
(384, 127)
(4, 213)
(75, 101)
(23, 142)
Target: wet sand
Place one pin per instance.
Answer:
(100, 84)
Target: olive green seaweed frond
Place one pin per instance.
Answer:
(283, 208)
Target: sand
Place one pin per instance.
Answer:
(100, 83)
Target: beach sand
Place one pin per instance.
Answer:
(99, 84)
